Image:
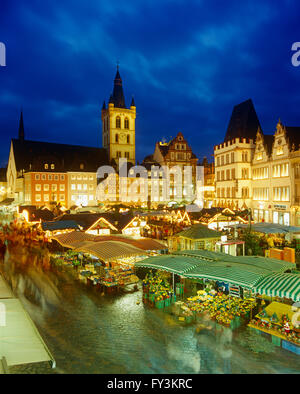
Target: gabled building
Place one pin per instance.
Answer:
(175, 153)
(39, 173)
(233, 158)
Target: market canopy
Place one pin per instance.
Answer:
(202, 264)
(281, 285)
(199, 231)
(109, 250)
(72, 239)
(267, 264)
(175, 264)
(270, 228)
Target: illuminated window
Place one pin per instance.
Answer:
(79, 186)
(279, 151)
(38, 197)
(85, 186)
(54, 188)
(118, 122)
(52, 166)
(73, 186)
(62, 197)
(46, 166)
(46, 197)
(62, 188)
(259, 156)
(81, 166)
(38, 187)
(46, 187)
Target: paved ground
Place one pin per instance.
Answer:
(88, 333)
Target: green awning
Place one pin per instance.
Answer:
(175, 264)
(280, 285)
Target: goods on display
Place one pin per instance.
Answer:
(281, 320)
(157, 290)
(222, 308)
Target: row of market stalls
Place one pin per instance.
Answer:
(234, 289)
(106, 261)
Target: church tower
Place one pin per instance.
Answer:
(118, 125)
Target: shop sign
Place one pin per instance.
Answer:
(280, 207)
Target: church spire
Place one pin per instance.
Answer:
(118, 94)
(21, 128)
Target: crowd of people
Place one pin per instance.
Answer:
(23, 246)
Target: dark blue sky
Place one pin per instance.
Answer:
(187, 63)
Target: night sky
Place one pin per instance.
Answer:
(187, 63)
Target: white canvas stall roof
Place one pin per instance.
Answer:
(20, 341)
(110, 250)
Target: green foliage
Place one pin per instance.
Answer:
(252, 243)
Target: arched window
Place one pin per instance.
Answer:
(128, 139)
(117, 137)
(46, 166)
(126, 123)
(118, 122)
(81, 166)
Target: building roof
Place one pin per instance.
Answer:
(32, 155)
(243, 123)
(86, 220)
(268, 142)
(60, 225)
(293, 134)
(3, 174)
(199, 231)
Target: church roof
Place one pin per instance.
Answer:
(32, 155)
(243, 123)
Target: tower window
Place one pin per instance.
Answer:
(117, 137)
(126, 123)
(118, 122)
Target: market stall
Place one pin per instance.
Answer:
(281, 323)
(157, 291)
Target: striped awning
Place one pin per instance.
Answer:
(109, 250)
(280, 285)
(175, 264)
(71, 240)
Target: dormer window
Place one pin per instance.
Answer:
(46, 166)
(81, 166)
(52, 166)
